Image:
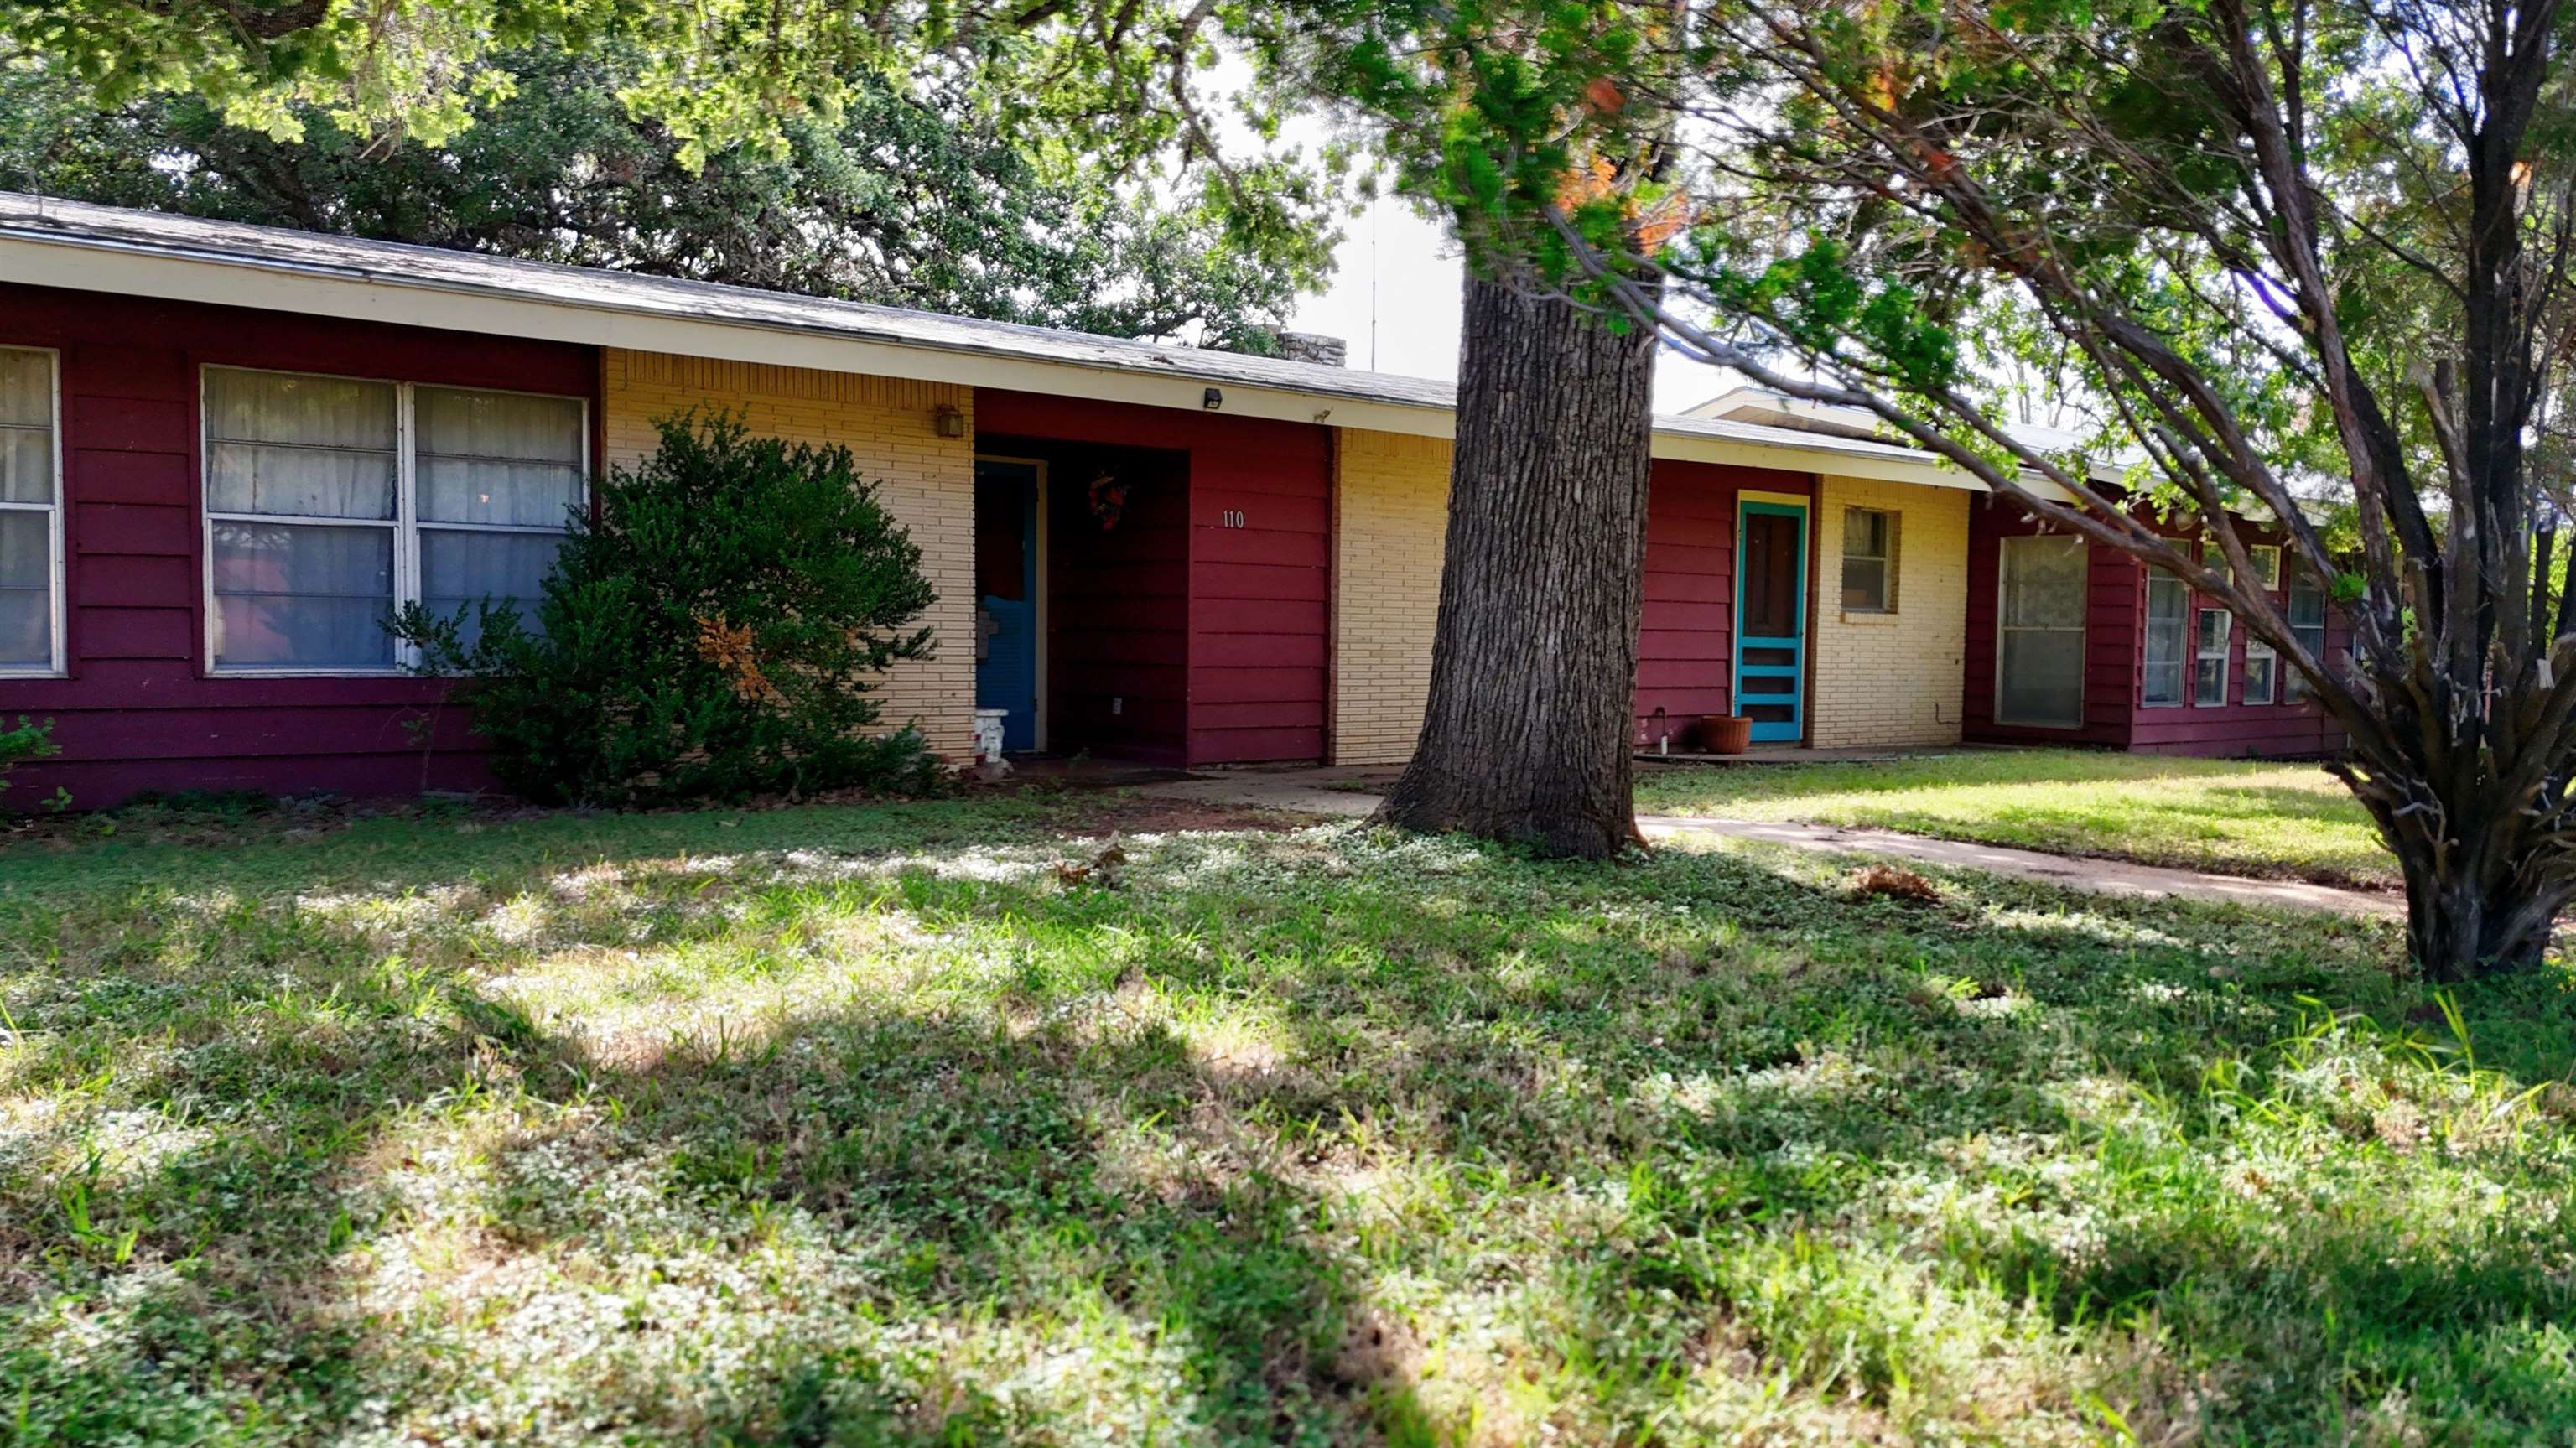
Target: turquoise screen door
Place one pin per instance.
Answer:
(1006, 596)
(1771, 619)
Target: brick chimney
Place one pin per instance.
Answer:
(1314, 347)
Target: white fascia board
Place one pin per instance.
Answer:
(126, 270)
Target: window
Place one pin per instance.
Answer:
(2308, 625)
(2168, 630)
(2209, 661)
(1869, 561)
(2267, 565)
(2262, 671)
(31, 525)
(2039, 659)
(330, 501)
(2214, 558)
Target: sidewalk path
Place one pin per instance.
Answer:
(1332, 792)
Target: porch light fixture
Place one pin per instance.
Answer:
(952, 422)
(1211, 399)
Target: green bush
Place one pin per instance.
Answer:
(30, 740)
(714, 632)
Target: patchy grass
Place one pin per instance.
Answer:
(862, 1125)
(2235, 817)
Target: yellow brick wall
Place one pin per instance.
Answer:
(1891, 679)
(1391, 515)
(890, 424)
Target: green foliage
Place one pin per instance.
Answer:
(912, 196)
(714, 632)
(31, 739)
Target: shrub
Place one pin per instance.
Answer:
(30, 740)
(714, 632)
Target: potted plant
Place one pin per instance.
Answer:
(1726, 733)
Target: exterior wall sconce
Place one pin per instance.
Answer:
(951, 421)
(1211, 399)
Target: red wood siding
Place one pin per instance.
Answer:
(2274, 730)
(2115, 656)
(2111, 633)
(1252, 609)
(137, 712)
(1686, 636)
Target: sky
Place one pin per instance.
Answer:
(1398, 269)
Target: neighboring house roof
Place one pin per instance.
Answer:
(56, 243)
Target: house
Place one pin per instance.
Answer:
(227, 452)
(2074, 642)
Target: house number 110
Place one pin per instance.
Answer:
(1230, 518)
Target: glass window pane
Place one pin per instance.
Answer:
(1865, 584)
(26, 389)
(494, 457)
(2213, 631)
(2168, 626)
(2307, 602)
(2209, 682)
(300, 446)
(26, 588)
(2043, 582)
(2043, 678)
(2267, 564)
(460, 569)
(300, 596)
(1864, 533)
(2261, 668)
(26, 427)
(26, 465)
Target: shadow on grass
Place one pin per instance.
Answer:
(1684, 1117)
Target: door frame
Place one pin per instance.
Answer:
(1799, 507)
(1037, 585)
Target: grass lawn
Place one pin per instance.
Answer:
(2236, 817)
(865, 1125)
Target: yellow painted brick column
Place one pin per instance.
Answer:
(1891, 678)
(890, 424)
(1391, 519)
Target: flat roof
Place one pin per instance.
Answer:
(49, 242)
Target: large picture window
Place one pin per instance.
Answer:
(2039, 658)
(31, 523)
(2168, 641)
(331, 501)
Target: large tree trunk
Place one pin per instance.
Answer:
(2485, 881)
(1526, 735)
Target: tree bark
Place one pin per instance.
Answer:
(1526, 736)
(2485, 881)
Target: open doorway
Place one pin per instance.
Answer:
(1010, 597)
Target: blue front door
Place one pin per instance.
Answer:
(1771, 619)
(1006, 603)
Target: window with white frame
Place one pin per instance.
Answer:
(2307, 625)
(2214, 558)
(331, 501)
(2209, 659)
(2168, 634)
(2262, 670)
(1869, 560)
(31, 523)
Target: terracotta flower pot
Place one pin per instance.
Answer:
(1726, 733)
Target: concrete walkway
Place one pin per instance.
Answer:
(1348, 793)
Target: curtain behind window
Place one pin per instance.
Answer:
(493, 461)
(2040, 665)
(292, 591)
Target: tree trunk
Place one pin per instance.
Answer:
(1526, 737)
(2483, 895)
